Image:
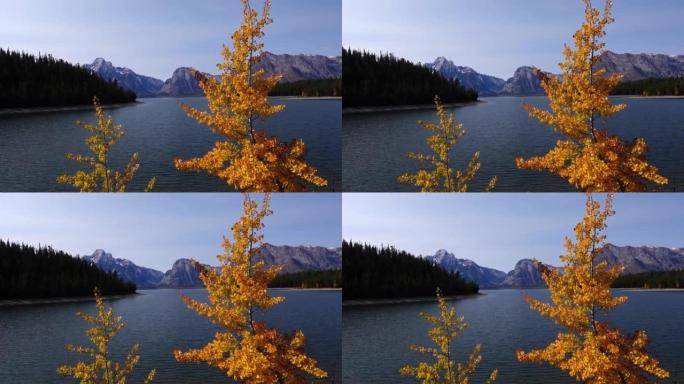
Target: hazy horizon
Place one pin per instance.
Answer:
(497, 230)
(495, 37)
(153, 38)
(154, 230)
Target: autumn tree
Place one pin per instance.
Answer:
(444, 369)
(246, 349)
(247, 158)
(101, 177)
(441, 176)
(101, 370)
(588, 157)
(588, 349)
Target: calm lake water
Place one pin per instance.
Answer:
(375, 144)
(32, 147)
(32, 338)
(376, 338)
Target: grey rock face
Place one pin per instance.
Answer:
(301, 258)
(485, 85)
(143, 86)
(182, 83)
(182, 274)
(642, 66)
(525, 275)
(301, 67)
(524, 82)
(126, 269)
(644, 259)
(468, 269)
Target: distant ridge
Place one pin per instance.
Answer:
(183, 83)
(525, 83)
(183, 274)
(526, 274)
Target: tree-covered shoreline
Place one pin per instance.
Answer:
(27, 272)
(651, 280)
(384, 273)
(669, 86)
(372, 80)
(28, 81)
(309, 88)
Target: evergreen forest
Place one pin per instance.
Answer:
(28, 81)
(669, 86)
(374, 273)
(309, 279)
(384, 80)
(27, 272)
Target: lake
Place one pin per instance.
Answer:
(376, 337)
(375, 144)
(32, 146)
(32, 338)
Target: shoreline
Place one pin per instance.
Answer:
(308, 98)
(399, 108)
(647, 97)
(401, 300)
(651, 289)
(58, 300)
(66, 108)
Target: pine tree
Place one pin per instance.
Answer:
(248, 159)
(442, 177)
(102, 178)
(445, 370)
(589, 350)
(247, 349)
(101, 370)
(588, 157)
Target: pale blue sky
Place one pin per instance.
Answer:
(154, 37)
(154, 230)
(497, 36)
(496, 230)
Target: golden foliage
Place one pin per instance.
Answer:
(589, 350)
(442, 177)
(101, 370)
(247, 350)
(102, 178)
(588, 157)
(248, 158)
(445, 370)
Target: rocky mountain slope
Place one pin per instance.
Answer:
(183, 83)
(126, 269)
(143, 86)
(468, 269)
(525, 83)
(183, 274)
(485, 85)
(643, 65)
(526, 274)
(301, 67)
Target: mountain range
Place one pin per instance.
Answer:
(184, 275)
(183, 83)
(526, 274)
(524, 82)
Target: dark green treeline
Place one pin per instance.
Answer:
(27, 272)
(29, 81)
(670, 86)
(373, 273)
(651, 280)
(384, 80)
(309, 279)
(309, 88)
